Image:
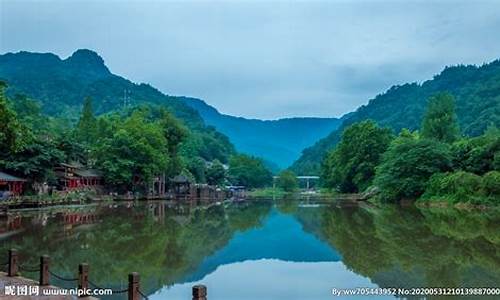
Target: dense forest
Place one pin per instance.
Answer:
(476, 91)
(75, 110)
(433, 164)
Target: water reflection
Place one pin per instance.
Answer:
(410, 247)
(261, 250)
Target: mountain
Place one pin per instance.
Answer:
(61, 85)
(278, 141)
(477, 94)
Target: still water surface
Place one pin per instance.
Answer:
(261, 250)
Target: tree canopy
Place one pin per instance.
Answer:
(86, 126)
(248, 171)
(216, 174)
(287, 180)
(350, 167)
(407, 166)
(11, 130)
(440, 120)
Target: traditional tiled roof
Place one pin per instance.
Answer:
(88, 173)
(73, 164)
(7, 177)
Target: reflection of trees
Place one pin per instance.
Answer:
(129, 239)
(407, 247)
(248, 215)
(287, 205)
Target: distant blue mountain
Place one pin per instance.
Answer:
(281, 237)
(279, 141)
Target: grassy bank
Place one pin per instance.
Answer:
(267, 193)
(280, 193)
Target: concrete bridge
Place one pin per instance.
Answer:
(307, 178)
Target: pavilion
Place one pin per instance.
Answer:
(11, 184)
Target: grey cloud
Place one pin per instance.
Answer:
(263, 59)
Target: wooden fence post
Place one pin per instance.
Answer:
(133, 286)
(199, 292)
(44, 270)
(83, 277)
(13, 260)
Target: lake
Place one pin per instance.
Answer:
(261, 249)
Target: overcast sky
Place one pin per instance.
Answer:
(263, 59)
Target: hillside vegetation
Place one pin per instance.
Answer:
(61, 85)
(433, 165)
(476, 91)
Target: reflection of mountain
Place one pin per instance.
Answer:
(281, 237)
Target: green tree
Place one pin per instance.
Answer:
(350, 167)
(175, 133)
(456, 186)
(35, 160)
(29, 113)
(195, 165)
(216, 173)
(86, 127)
(477, 155)
(12, 133)
(136, 150)
(491, 185)
(287, 180)
(248, 171)
(407, 166)
(440, 120)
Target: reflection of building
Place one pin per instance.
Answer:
(237, 191)
(10, 185)
(75, 218)
(74, 175)
(10, 225)
(157, 210)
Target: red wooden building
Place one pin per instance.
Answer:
(11, 184)
(75, 175)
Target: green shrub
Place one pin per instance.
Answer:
(457, 186)
(478, 155)
(287, 181)
(407, 166)
(491, 184)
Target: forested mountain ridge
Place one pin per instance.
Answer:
(61, 85)
(475, 88)
(278, 141)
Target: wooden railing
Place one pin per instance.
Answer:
(199, 292)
